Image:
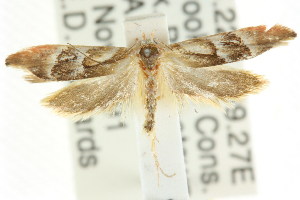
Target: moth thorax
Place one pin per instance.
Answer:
(149, 55)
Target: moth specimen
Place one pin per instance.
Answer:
(108, 76)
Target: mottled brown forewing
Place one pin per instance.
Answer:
(66, 62)
(229, 47)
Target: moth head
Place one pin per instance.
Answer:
(149, 55)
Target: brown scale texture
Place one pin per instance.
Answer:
(151, 90)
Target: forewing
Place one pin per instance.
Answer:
(87, 97)
(228, 47)
(66, 62)
(212, 85)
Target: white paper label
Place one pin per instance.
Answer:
(216, 145)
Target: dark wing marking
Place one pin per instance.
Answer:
(65, 62)
(228, 47)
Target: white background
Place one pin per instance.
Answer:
(35, 161)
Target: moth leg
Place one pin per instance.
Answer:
(158, 97)
(159, 170)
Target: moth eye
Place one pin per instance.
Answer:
(147, 52)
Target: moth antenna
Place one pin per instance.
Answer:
(137, 24)
(130, 48)
(158, 41)
(152, 35)
(144, 36)
(84, 54)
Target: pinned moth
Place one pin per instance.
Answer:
(109, 76)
